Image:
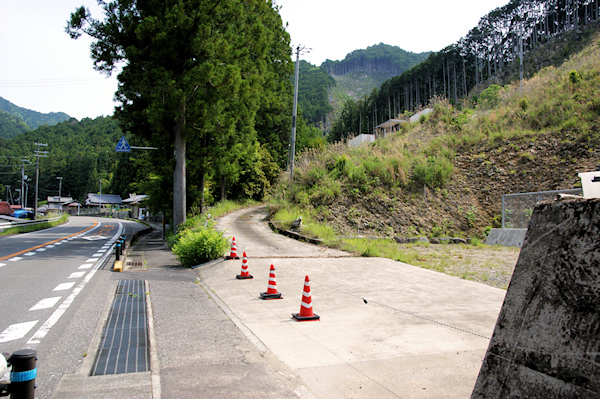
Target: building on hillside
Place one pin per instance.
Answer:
(136, 202)
(388, 127)
(58, 203)
(361, 139)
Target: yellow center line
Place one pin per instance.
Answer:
(48, 243)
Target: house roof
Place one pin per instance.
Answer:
(135, 199)
(390, 123)
(5, 209)
(63, 200)
(97, 199)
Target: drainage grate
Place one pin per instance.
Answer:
(124, 344)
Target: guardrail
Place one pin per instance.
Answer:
(8, 225)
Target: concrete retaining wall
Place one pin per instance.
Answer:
(546, 343)
(506, 237)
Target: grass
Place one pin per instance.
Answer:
(35, 227)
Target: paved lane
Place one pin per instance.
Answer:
(419, 333)
(51, 295)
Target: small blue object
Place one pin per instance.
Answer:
(23, 376)
(123, 145)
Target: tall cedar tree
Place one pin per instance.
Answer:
(191, 70)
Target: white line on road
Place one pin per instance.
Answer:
(46, 303)
(16, 258)
(91, 260)
(86, 266)
(64, 286)
(2, 264)
(41, 249)
(62, 308)
(76, 275)
(16, 331)
(96, 255)
(29, 254)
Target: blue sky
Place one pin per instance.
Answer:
(44, 70)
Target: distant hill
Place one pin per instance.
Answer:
(324, 90)
(388, 60)
(15, 120)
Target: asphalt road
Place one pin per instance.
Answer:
(53, 289)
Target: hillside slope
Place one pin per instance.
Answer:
(15, 120)
(446, 174)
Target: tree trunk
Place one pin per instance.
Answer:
(179, 204)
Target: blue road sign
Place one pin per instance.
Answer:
(123, 145)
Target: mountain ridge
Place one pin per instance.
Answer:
(15, 120)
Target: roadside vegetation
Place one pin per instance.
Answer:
(445, 174)
(197, 240)
(40, 226)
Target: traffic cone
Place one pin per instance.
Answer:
(271, 287)
(245, 273)
(306, 310)
(233, 252)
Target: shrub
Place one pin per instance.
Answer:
(433, 172)
(199, 245)
(489, 97)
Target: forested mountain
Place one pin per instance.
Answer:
(313, 92)
(82, 153)
(390, 60)
(15, 120)
(545, 32)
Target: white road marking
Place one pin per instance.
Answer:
(46, 303)
(2, 264)
(92, 260)
(62, 308)
(101, 250)
(58, 243)
(64, 286)
(50, 246)
(76, 274)
(41, 249)
(29, 254)
(85, 266)
(96, 255)
(16, 258)
(16, 331)
(95, 238)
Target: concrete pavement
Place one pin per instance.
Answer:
(420, 334)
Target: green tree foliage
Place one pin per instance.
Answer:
(313, 92)
(193, 71)
(81, 153)
(11, 126)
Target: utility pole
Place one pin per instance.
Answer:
(7, 192)
(38, 154)
(100, 196)
(59, 188)
(23, 177)
(294, 111)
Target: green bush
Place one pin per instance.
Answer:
(199, 245)
(432, 172)
(490, 96)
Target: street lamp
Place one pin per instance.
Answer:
(59, 188)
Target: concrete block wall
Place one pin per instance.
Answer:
(546, 343)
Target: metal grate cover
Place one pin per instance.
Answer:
(124, 345)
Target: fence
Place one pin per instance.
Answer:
(517, 208)
(7, 225)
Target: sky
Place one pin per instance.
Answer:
(44, 70)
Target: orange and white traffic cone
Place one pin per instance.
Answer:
(245, 273)
(306, 310)
(271, 287)
(233, 252)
